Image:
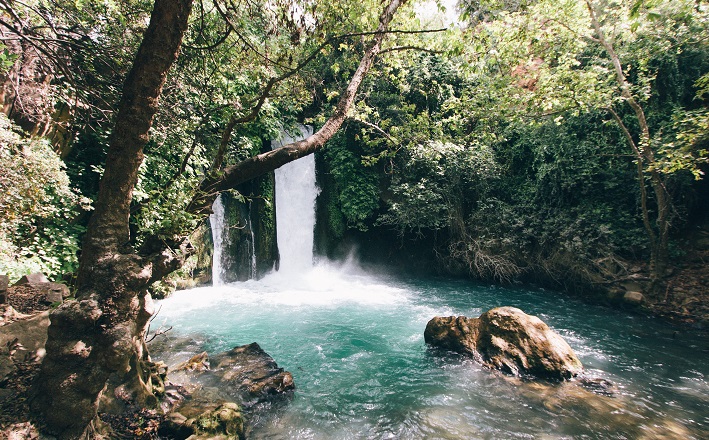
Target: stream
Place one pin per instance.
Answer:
(354, 344)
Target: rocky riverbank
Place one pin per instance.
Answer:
(202, 398)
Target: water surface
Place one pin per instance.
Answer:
(354, 344)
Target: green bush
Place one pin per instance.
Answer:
(37, 208)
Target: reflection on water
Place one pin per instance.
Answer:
(354, 344)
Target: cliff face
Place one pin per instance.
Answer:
(249, 226)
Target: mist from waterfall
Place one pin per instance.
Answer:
(296, 192)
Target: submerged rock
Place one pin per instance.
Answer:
(210, 401)
(585, 408)
(204, 419)
(600, 386)
(198, 362)
(507, 339)
(251, 374)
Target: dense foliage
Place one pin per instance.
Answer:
(37, 208)
(505, 147)
(247, 71)
(496, 137)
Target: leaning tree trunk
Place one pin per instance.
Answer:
(234, 175)
(101, 334)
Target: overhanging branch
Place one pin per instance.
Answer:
(269, 161)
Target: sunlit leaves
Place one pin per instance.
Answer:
(37, 208)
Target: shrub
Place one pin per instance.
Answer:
(37, 207)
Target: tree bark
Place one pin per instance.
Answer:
(659, 234)
(101, 334)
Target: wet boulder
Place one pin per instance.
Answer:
(251, 374)
(454, 333)
(214, 391)
(245, 374)
(507, 339)
(198, 362)
(205, 419)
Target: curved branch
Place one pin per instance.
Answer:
(235, 120)
(418, 48)
(213, 45)
(376, 128)
(269, 161)
(641, 176)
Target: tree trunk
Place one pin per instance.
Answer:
(101, 334)
(659, 257)
(658, 235)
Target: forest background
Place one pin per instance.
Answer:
(556, 142)
(562, 143)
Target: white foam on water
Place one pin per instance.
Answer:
(322, 286)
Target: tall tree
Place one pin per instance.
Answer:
(101, 335)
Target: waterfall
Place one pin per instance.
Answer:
(216, 221)
(254, 268)
(295, 208)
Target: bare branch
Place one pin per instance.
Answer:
(214, 45)
(418, 48)
(158, 332)
(375, 128)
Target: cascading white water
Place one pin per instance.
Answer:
(295, 208)
(254, 268)
(216, 221)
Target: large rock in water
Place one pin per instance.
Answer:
(506, 339)
(251, 374)
(243, 377)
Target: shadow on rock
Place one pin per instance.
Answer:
(216, 397)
